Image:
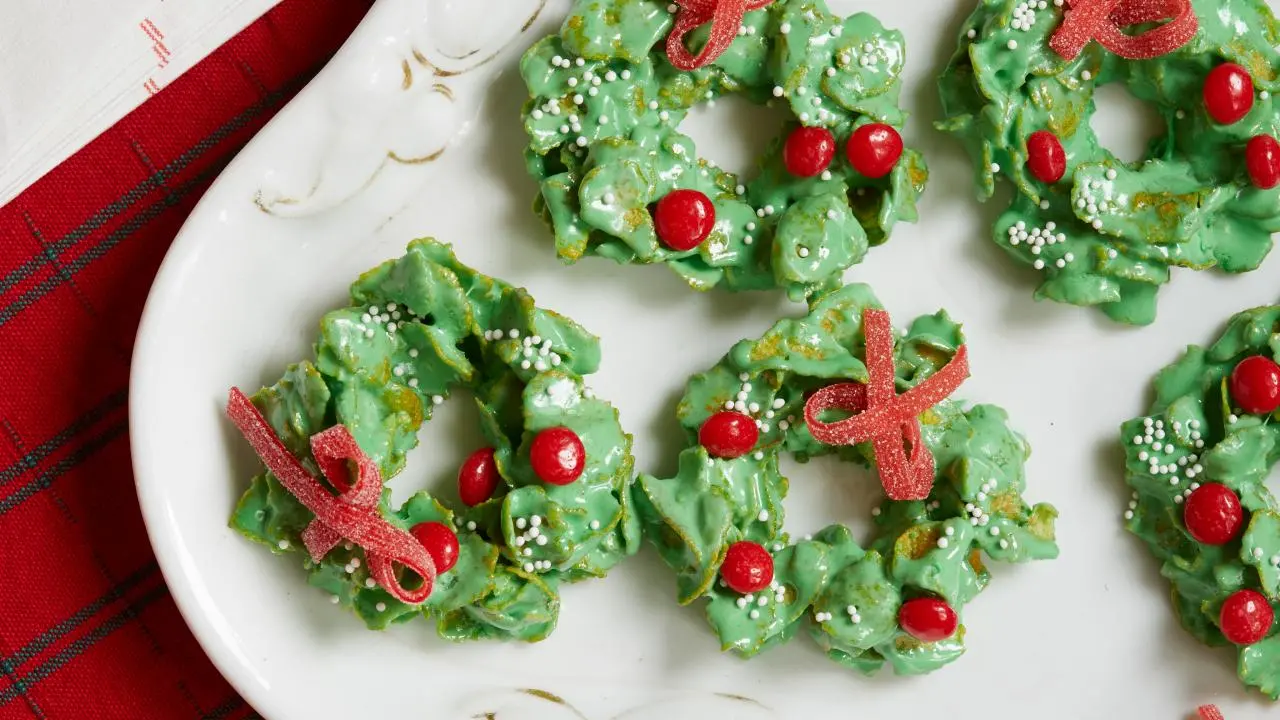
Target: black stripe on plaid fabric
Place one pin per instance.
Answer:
(49, 637)
(83, 643)
(156, 181)
(46, 478)
(16, 683)
(132, 225)
(225, 709)
(32, 458)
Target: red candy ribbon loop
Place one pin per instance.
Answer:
(889, 420)
(352, 513)
(725, 17)
(1209, 712)
(1105, 20)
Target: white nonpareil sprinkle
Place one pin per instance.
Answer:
(380, 607)
(942, 543)
(754, 614)
(283, 544)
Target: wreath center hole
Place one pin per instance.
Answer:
(827, 490)
(1124, 124)
(444, 442)
(734, 133)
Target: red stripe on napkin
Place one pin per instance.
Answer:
(89, 629)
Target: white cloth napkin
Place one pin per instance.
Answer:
(69, 69)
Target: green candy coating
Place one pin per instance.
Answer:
(933, 546)
(1202, 438)
(417, 328)
(604, 144)
(1118, 227)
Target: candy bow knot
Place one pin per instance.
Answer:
(725, 17)
(352, 513)
(889, 420)
(1105, 20)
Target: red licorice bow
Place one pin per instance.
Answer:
(885, 418)
(1209, 712)
(352, 513)
(1105, 20)
(725, 17)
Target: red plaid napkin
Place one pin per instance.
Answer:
(87, 627)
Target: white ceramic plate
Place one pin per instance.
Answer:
(329, 189)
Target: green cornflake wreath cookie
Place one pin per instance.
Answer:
(1019, 94)
(617, 178)
(719, 523)
(1197, 463)
(548, 502)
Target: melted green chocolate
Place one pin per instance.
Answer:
(1191, 435)
(1109, 232)
(417, 328)
(930, 547)
(604, 143)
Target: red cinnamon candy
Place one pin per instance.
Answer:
(725, 17)
(1105, 21)
(352, 513)
(884, 417)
